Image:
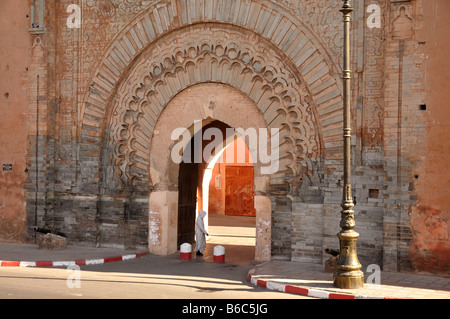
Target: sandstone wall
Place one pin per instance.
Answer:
(95, 94)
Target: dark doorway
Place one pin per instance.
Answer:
(187, 201)
(187, 198)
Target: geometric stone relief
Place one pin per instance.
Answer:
(373, 65)
(402, 23)
(320, 16)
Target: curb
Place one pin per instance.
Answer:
(79, 262)
(304, 291)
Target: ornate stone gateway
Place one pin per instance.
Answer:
(220, 50)
(146, 68)
(106, 94)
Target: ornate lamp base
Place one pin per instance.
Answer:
(349, 279)
(348, 274)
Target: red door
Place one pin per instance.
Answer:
(239, 191)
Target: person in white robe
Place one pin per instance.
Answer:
(200, 233)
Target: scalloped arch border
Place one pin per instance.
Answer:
(265, 19)
(276, 91)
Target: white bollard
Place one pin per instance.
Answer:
(186, 251)
(219, 254)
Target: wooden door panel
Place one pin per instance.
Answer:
(239, 191)
(187, 201)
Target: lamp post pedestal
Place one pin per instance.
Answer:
(348, 274)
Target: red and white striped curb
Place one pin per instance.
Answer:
(80, 262)
(304, 291)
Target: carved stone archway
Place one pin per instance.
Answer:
(233, 58)
(170, 48)
(178, 62)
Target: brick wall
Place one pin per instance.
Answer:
(90, 118)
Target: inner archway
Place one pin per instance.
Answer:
(229, 182)
(228, 192)
(197, 116)
(215, 145)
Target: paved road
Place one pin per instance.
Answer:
(153, 277)
(147, 277)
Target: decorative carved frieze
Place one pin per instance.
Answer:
(230, 57)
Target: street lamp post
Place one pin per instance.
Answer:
(348, 274)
